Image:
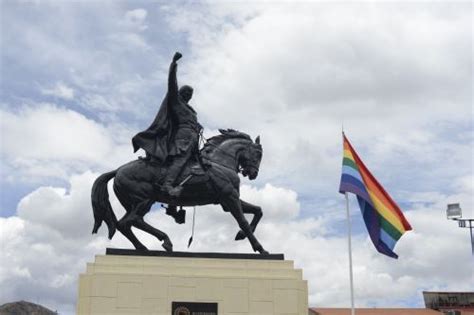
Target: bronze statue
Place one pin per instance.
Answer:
(175, 172)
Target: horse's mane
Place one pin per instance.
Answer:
(225, 134)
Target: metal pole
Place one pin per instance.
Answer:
(349, 232)
(472, 241)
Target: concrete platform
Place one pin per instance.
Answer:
(130, 282)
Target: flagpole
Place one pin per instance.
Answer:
(349, 232)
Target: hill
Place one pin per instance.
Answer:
(24, 308)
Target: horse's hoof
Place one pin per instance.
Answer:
(240, 235)
(259, 248)
(167, 245)
(111, 232)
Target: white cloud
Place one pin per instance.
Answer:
(47, 131)
(136, 18)
(60, 90)
(67, 211)
(280, 203)
(50, 141)
(129, 41)
(39, 264)
(94, 53)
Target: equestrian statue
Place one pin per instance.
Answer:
(176, 172)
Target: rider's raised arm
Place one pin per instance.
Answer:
(172, 80)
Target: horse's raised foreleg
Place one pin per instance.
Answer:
(142, 225)
(231, 203)
(257, 215)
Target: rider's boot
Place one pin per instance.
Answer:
(171, 210)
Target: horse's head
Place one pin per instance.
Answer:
(250, 159)
(236, 150)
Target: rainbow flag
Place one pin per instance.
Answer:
(383, 218)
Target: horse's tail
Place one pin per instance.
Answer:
(101, 205)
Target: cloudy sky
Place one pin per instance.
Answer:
(78, 80)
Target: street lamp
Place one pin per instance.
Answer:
(454, 212)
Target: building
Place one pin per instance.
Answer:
(450, 303)
(373, 311)
(437, 303)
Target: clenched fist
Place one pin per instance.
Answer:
(177, 56)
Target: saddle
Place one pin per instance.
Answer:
(193, 172)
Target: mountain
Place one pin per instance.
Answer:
(24, 308)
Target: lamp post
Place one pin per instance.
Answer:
(454, 212)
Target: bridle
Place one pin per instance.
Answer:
(240, 168)
(250, 166)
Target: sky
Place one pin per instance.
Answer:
(80, 79)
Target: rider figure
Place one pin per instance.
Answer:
(174, 134)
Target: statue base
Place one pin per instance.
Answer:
(183, 283)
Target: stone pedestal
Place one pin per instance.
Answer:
(128, 282)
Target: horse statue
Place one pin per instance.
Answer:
(210, 179)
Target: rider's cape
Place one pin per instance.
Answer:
(156, 139)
